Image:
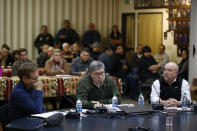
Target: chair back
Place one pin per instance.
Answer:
(4, 119)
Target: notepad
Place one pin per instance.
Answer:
(48, 114)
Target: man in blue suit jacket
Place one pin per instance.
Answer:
(26, 98)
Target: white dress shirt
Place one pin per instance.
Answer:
(155, 93)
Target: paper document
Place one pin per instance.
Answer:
(48, 114)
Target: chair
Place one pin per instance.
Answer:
(4, 119)
(145, 87)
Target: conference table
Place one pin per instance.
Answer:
(52, 85)
(182, 121)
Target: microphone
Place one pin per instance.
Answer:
(72, 115)
(157, 106)
(68, 99)
(54, 120)
(102, 109)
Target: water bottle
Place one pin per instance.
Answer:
(184, 102)
(114, 101)
(86, 70)
(79, 105)
(141, 99)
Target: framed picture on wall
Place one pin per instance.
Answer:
(148, 4)
(180, 48)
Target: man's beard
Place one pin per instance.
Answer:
(98, 84)
(165, 78)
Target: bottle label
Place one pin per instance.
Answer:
(141, 102)
(114, 102)
(184, 104)
(79, 109)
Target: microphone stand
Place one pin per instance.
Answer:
(75, 114)
(157, 106)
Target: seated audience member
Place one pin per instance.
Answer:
(97, 88)
(161, 58)
(80, 64)
(115, 37)
(50, 51)
(43, 38)
(148, 67)
(134, 76)
(119, 67)
(15, 54)
(91, 36)
(66, 53)
(75, 50)
(43, 56)
(66, 34)
(136, 56)
(6, 59)
(95, 51)
(56, 65)
(26, 98)
(183, 65)
(169, 89)
(22, 59)
(105, 57)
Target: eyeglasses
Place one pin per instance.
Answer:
(34, 79)
(101, 74)
(168, 70)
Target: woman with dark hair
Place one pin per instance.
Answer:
(148, 67)
(115, 36)
(183, 66)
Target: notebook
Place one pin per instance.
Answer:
(136, 109)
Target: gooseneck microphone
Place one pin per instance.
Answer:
(69, 100)
(157, 106)
(72, 115)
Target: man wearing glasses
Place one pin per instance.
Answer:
(170, 88)
(26, 97)
(22, 59)
(96, 88)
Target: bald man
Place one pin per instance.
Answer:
(170, 88)
(91, 36)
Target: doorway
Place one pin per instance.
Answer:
(128, 33)
(150, 30)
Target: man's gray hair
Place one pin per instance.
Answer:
(177, 68)
(96, 65)
(174, 65)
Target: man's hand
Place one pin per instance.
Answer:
(154, 68)
(62, 36)
(83, 73)
(171, 102)
(124, 67)
(96, 104)
(37, 85)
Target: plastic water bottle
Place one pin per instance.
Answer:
(114, 101)
(184, 102)
(86, 70)
(141, 99)
(79, 105)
